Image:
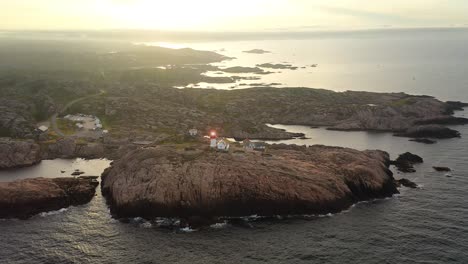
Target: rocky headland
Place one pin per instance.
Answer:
(169, 181)
(25, 198)
(18, 153)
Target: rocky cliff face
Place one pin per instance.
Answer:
(164, 181)
(24, 198)
(16, 154)
(67, 148)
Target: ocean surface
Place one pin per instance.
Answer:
(427, 63)
(424, 225)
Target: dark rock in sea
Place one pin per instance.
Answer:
(76, 173)
(442, 169)
(163, 181)
(409, 157)
(240, 69)
(18, 153)
(405, 162)
(277, 66)
(257, 51)
(429, 131)
(406, 183)
(25, 198)
(423, 140)
(442, 120)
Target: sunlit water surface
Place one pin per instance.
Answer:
(429, 63)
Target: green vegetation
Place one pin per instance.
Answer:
(66, 126)
(403, 102)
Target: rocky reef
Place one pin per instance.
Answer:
(25, 198)
(406, 161)
(170, 181)
(429, 131)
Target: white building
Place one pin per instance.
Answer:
(222, 145)
(261, 146)
(193, 132)
(43, 128)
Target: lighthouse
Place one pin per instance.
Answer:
(213, 138)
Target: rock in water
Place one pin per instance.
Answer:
(164, 181)
(409, 157)
(25, 198)
(429, 131)
(405, 162)
(407, 183)
(16, 153)
(442, 169)
(423, 140)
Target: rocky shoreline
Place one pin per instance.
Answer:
(166, 182)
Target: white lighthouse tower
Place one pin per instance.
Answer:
(213, 137)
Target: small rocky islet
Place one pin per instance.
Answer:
(170, 182)
(25, 198)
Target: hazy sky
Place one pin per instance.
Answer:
(232, 15)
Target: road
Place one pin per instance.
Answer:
(53, 118)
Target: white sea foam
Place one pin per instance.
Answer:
(219, 225)
(187, 230)
(44, 214)
(146, 224)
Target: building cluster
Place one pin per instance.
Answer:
(222, 144)
(89, 122)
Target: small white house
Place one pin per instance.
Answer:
(193, 132)
(261, 146)
(79, 125)
(222, 145)
(105, 131)
(43, 128)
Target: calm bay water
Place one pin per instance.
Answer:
(425, 225)
(428, 63)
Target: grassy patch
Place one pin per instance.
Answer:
(403, 102)
(66, 126)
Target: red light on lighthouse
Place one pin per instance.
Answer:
(213, 134)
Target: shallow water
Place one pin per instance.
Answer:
(426, 225)
(54, 168)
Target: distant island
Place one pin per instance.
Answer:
(257, 51)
